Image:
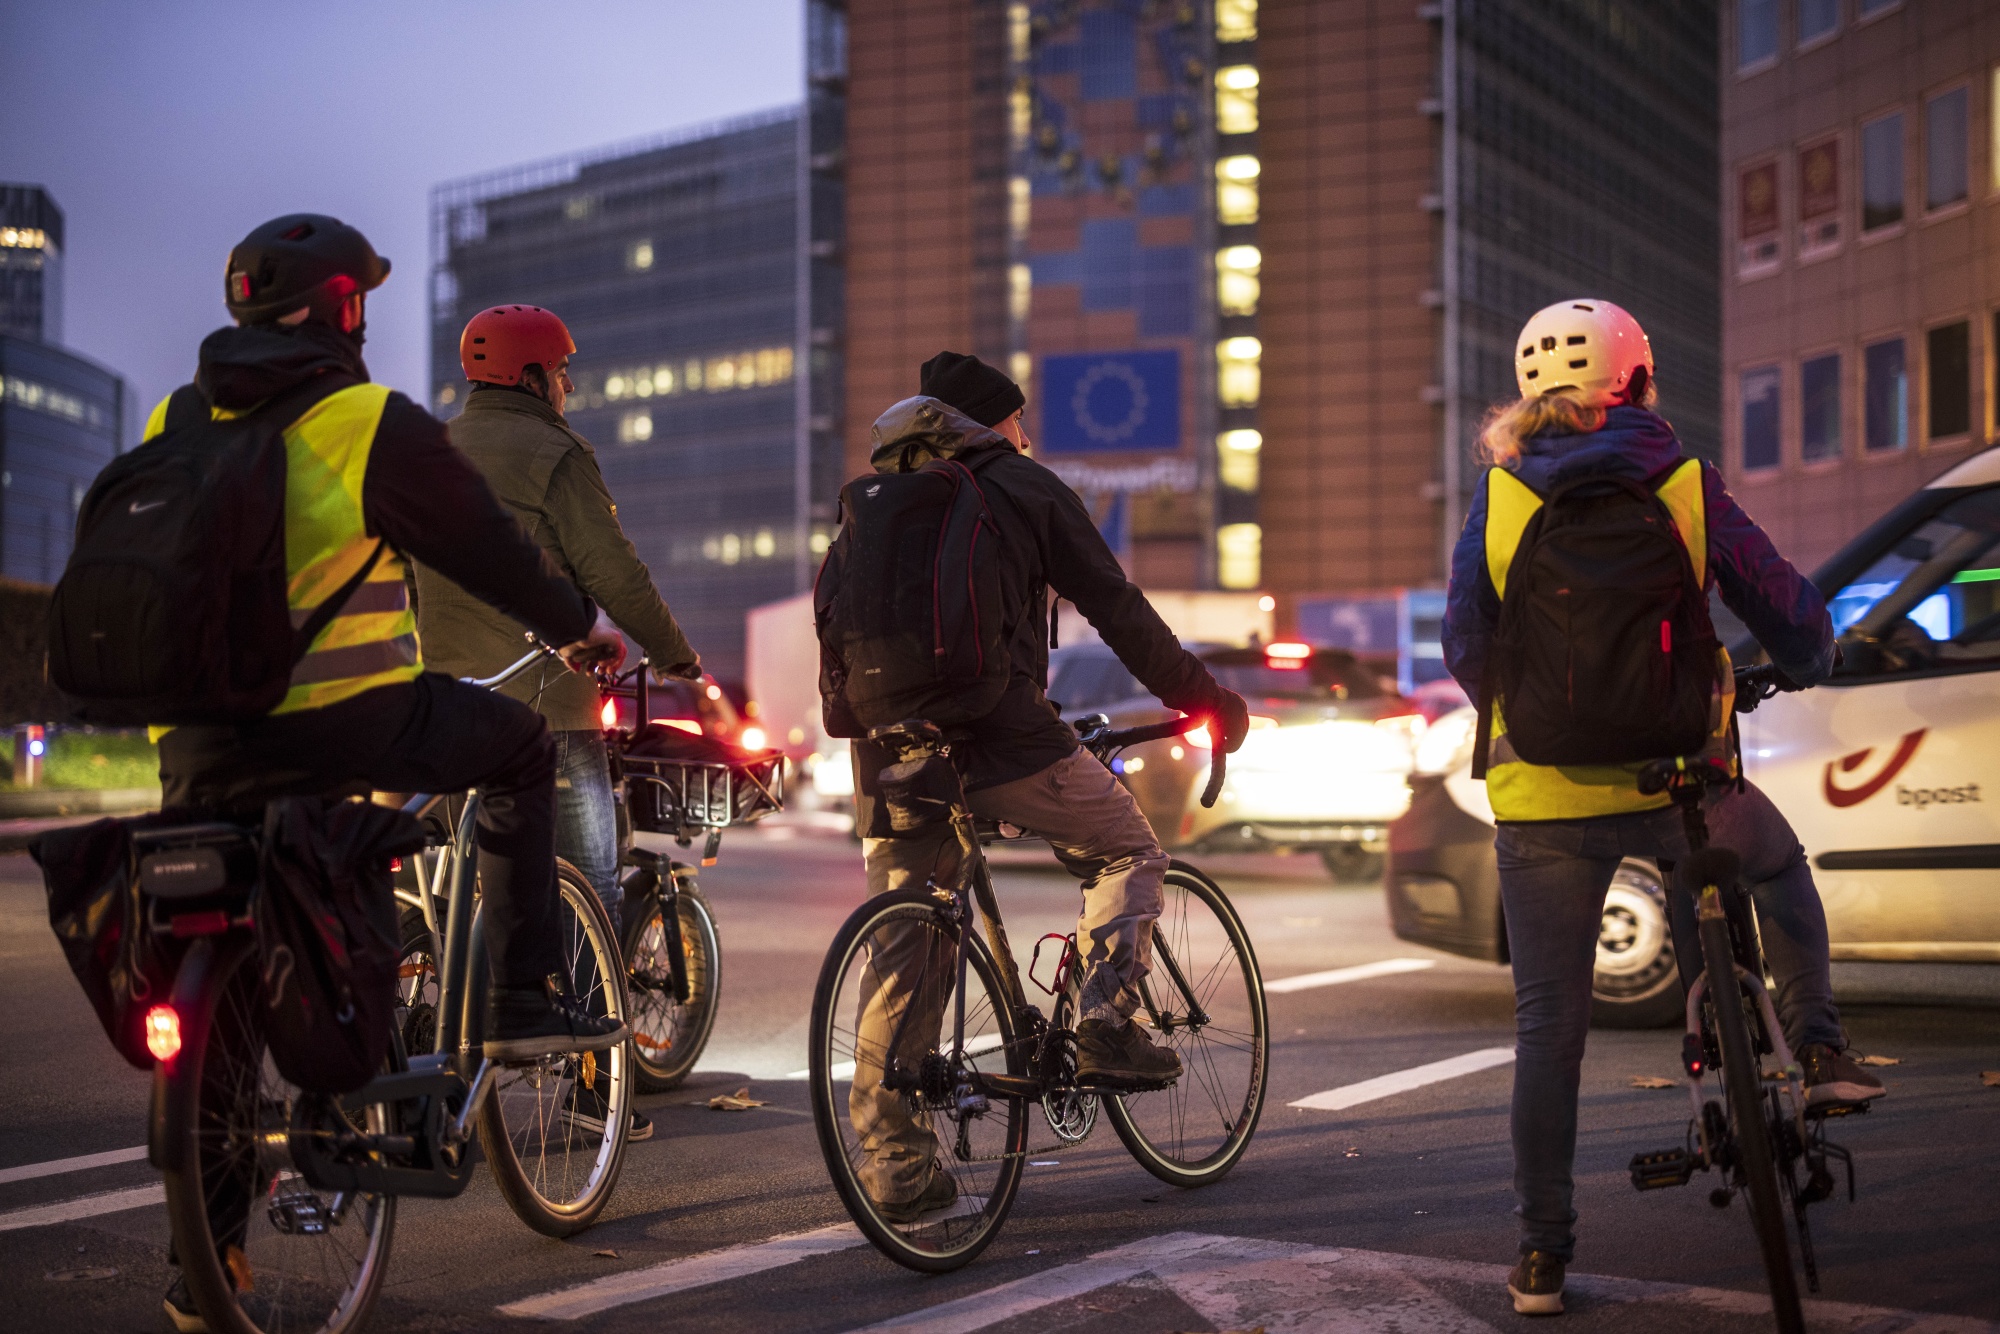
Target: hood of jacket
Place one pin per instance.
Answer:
(1633, 442)
(242, 365)
(920, 430)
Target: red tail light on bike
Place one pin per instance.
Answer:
(163, 1032)
(608, 715)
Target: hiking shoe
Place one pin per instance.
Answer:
(938, 1193)
(1110, 1056)
(179, 1311)
(585, 1111)
(1834, 1078)
(1536, 1284)
(523, 1023)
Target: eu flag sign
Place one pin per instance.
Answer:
(1107, 401)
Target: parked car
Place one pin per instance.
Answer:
(1890, 772)
(1322, 769)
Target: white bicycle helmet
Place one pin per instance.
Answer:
(1587, 345)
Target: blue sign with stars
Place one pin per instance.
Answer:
(1104, 402)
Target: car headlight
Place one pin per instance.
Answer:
(1447, 743)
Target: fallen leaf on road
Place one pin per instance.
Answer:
(739, 1101)
(1652, 1082)
(1878, 1060)
(80, 1275)
(1990, 1078)
(609, 1255)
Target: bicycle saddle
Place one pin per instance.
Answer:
(910, 738)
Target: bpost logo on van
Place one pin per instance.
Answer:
(1838, 794)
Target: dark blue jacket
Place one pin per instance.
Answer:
(1781, 606)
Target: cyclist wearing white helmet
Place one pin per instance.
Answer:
(1583, 439)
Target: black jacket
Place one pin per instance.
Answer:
(1048, 542)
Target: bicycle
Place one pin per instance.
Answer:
(226, 1129)
(1762, 1134)
(673, 955)
(972, 1057)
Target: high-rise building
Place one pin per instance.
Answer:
(679, 266)
(1861, 286)
(61, 414)
(1262, 264)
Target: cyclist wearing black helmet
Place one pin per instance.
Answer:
(372, 481)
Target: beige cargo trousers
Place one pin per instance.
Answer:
(1100, 835)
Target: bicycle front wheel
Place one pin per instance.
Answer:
(1750, 1128)
(927, 1167)
(262, 1250)
(1205, 1002)
(669, 1034)
(554, 1129)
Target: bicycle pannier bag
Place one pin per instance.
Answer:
(909, 605)
(172, 608)
(1604, 652)
(328, 937)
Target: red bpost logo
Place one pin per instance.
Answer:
(1836, 795)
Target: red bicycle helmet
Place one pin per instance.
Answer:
(498, 342)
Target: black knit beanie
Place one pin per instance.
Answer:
(976, 389)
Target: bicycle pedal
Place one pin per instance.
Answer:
(1657, 1171)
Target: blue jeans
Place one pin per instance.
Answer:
(587, 817)
(1553, 876)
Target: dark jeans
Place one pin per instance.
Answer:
(587, 816)
(1553, 876)
(432, 734)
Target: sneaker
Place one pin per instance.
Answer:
(1834, 1078)
(938, 1193)
(523, 1023)
(1110, 1056)
(179, 1309)
(1536, 1284)
(585, 1116)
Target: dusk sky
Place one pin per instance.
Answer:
(167, 131)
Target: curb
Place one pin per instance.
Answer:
(41, 803)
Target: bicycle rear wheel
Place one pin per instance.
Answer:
(554, 1129)
(1750, 1128)
(262, 1250)
(891, 965)
(1193, 1131)
(668, 1034)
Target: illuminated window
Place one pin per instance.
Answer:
(736, 370)
(640, 257)
(1236, 283)
(1239, 377)
(1020, 365)
(1239, 552)
(447, 396)
(24, 238)
(634, 427)
(578, 208)
(1235, 20)
(821, 540)
(1236, 190)
(1020, 203)
(765, 544)
(1020, 289)
(1236, 99)
(1238, 454)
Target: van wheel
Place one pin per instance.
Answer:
(1352, 864)
(1635, 983)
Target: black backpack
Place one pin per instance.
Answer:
(173, 606)
(1604, 653)
(908, 603)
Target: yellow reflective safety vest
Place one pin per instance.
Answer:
(1523, 791)
(373, 641)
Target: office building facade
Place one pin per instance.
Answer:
(1862, 278)
(31, 264)
(684, 268)
(1327, 218)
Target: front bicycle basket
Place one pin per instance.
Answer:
(676, 783)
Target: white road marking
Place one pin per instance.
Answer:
(1402, 1081)
(89, 1206)
(57, 1166)
(845, 1069)
(1333, 977)
(695, 1271)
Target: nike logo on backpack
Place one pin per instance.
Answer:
(136, 508)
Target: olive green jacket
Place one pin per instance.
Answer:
(547, 476)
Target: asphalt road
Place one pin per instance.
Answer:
(1389, 1215)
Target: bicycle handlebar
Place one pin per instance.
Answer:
(1098, 738)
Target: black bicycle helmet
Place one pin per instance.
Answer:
(299, 260)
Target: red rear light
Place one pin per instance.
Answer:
(1287, 655)
(608, 715)
(163, 1032)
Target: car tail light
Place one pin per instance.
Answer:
(163, 1032)
(1287, 655)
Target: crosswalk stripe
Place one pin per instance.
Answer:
(89, 1206)
(695, 1271)
(1360, 972)
(82, 1163)
(1402, 1081)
